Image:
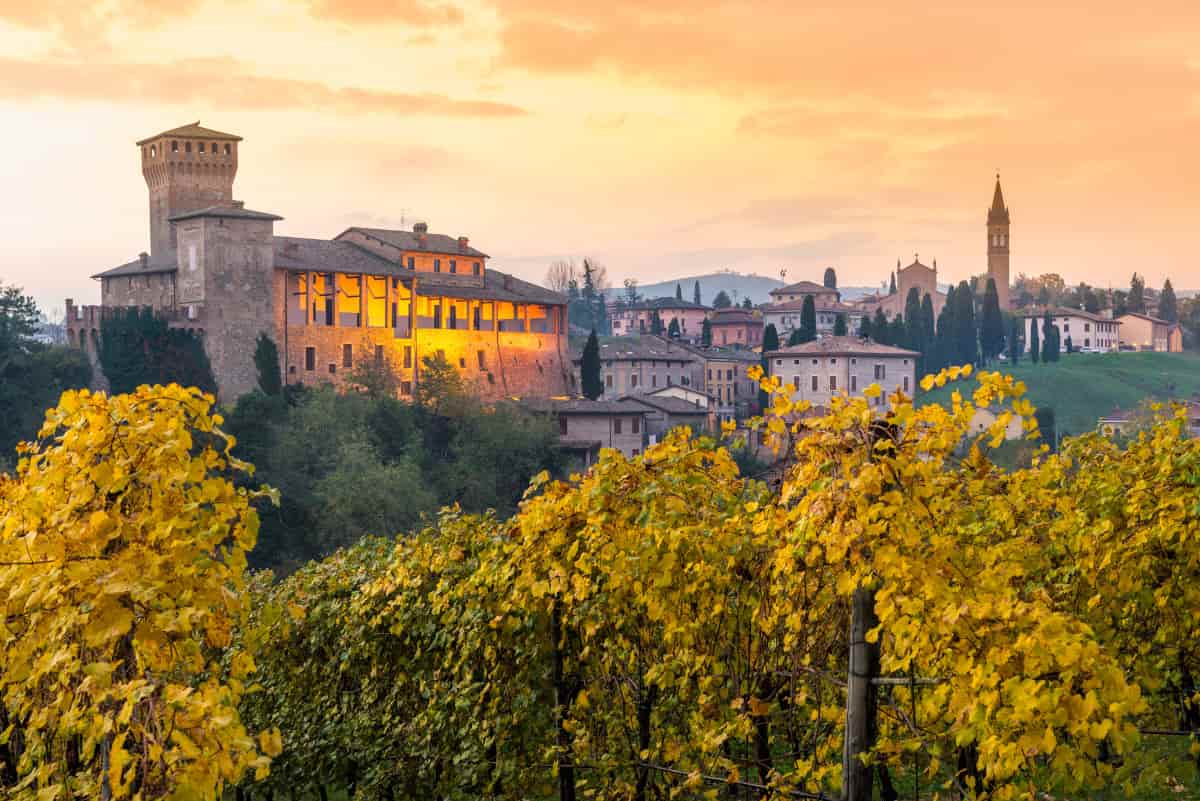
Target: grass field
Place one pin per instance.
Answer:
(1083, 387)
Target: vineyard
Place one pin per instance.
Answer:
(896, 616)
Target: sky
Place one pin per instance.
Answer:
(664, 138)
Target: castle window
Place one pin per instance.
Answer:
(453, 266)
(174, 146)
(814, 383)
(833, 383)
(482, 362)
(201, 147)
(412, 263)
(310, 358)
(437, 265)
(636, 426)
(227, 150)
(854, 383)
(616, 425)
(475, 268)
(347, 356)
(906, 383)
(187, 147)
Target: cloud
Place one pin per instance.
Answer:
(221, 82)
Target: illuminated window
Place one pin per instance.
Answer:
(453, 266)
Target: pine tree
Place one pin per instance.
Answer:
(706, 333)
(991, 325)
(673, 328)
(747, 304)
(1014, 341)
(1168, 308)
(722, 301)
(770, 342)
(892, 289)
(830, 278)
(678, 292)
(696, 293)
(879, 328)
(839, 326)
(1137, 294)
(589, 369)
(1034, 345)
(808, 320)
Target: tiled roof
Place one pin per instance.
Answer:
(411, 240)
(642, 348)
(666, 303)
(1155, 320)
(136, 267)
(229, 212)
(667, 404)
(810, 287)
(843, 346)
(798, 305)
(192, 131)
(583, 406)
(1062, 311)
(329, 255)
(731, 354)
(733, 317)
(497, 286)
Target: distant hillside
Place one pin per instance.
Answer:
(1084, 387)
(736, 285)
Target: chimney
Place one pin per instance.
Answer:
(144, 258)
(420, 228)
(462, 243)
(238, 204)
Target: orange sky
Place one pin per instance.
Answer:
(664, 138)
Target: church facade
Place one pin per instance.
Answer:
(217, 268)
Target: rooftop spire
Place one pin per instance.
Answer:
(998, 213)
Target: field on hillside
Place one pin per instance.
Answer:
(1084, 387)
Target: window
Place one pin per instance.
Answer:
(729, 374)
(227, 150)
(635, 452)
(408, 356)
(833, 383)
(814, 383)
(814, 362)
(453, 266)
(174, 147)
(462, 362)
(437, 265)
(201, 146)
(475, 268)
(616, 425)
(347, 355)
(608, 381)
(710, 370)
(153, 151)
(906, 383)
(405, 387)
(633, 380)
(854, 361)
(854, 383)
(636, 425)
(778, 363)
(833, 361)
(1087, 326)
(482, 360)
(310, 358)
(654, 380)
(332, 368)
(187, 147)
(437, 315)
(412, 263)
(562, 425)
(454, 315)
(379, 354)
(880, 372)
(796, 383)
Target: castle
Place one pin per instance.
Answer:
(923, 277)
(217, 268)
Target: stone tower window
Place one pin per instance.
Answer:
(227, 150)
(174, 146)
(187, 147)
(200, 146)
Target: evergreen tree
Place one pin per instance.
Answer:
(696, 293)
(892, 289)
(946, 328)
(796, 337)
(1034, 345)
(830, 278)
(1070, 345)
(913, 335)
(928, 327)
(138, 347)
(1168, 308)
(879, 328)
(770, 342)
(966, 333)
(589, 368)
(266, 362)
(808, 320)
(1049, 339)
(1137, 294)
(839, 325)
(1091, 303)
(673, 328)
(656, 323)
(678, 292)
(1120, 303)
(864, 326)
(706, 333)
(722, 301)
(897, 331)
(1014, 341)
(747, 304)
(991, 325)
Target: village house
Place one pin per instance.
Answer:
(801, 289)
(665, 413)
(1088, 332)
(820, 370)
(586, 426)
(638, 318)
(786, 317)
(736, 327)
(637, 365)
(1143, 332)
(726, 379)
(395, 296)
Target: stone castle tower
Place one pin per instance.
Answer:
(997, 258)
(186, 169)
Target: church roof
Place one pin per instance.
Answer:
(192, 131)
(998, 213)
(917, 263)
(412, 240)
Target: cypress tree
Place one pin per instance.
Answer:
(945, 332)
(913, 335)
(879, 328)
(808, 320)
(897, 331)
(673, 328)
(1034, 345)
(656, 325)
(1014, 341)
(928, 327)
(991, 326)
(864, 326)
(1049, 345)
(1168, 308)
(965, 331)
(706, 333)
(1137, 294)
(1091, 303)
(1070, 345)
(839, 325)
(266, 362)
(589, 368)
(696, 293)
(678, 292)
(770, 342)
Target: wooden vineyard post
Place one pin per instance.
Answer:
(860, 701)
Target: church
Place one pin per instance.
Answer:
(924, 279)
(217, 268)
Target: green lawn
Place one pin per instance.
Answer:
(1083, 387)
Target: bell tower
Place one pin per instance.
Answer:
(186, 169)
(997, 253)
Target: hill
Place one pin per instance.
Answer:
(1083, 387)
(734, 284)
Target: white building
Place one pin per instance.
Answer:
(1088, 331)
(786, 317)
(817, 371)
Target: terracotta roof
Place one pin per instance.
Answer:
(733, 317)
(843, 346)
(642, 349)
(798, 305)
(668, 404)
(1063, 311)
(411, 240)
(329, 255)
(192, 131)
(1155, 320)
(136, 267)
(232, 212)
(665, 303)
(801, 286)
(583, 406)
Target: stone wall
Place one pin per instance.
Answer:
(153, 289)
(602, 429)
